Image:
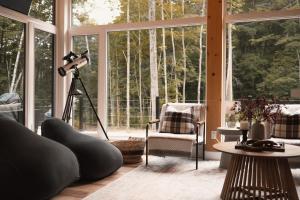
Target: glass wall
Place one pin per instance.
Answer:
(97, 12)
(262, 56)
(179, 56)
(83, 115)
(43, 10)
(12, 61)
(44, 72)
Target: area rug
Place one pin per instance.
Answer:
(170, 179)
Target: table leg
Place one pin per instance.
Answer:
(259, 178)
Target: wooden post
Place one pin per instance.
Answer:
(214, 68)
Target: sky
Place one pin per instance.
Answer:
(100, 11)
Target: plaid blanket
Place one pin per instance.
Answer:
(178, 123)
(287, 127)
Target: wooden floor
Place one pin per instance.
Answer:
(80, 191)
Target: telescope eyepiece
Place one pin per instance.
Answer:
(62, 71)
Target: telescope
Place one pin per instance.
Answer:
(73, 62)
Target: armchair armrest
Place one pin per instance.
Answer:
(150, 123)
(154, 121)
(199, 123)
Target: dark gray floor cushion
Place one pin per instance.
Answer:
(97, 158)
(32, 167)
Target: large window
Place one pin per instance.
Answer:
(263, 57)
(44, 66)
(83, 115)
(12, 61)
(111, 12)
(178, 56)
(43, 10)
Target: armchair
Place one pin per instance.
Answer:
(164, 143)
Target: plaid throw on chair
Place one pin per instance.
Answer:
(178, 123)
(287, 127)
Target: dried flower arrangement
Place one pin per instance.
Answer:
(257, 110)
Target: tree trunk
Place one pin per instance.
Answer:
(118, 91)
(153, 60)
(111, 95)
(88, 48)
(200, 53)
(14, 75)
(298, 56)
(128, 72)
(174, 57)
(184, 56)
(140, 73)
(228, 91)
(164, 52)
(18, 81)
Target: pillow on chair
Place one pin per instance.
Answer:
(287, 126)
(178, 122)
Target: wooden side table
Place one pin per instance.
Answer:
(263, 175)
(229, 135)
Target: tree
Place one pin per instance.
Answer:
(153, 60)
(184, 56)
(128, 69)
(200, 53)
(164, 52)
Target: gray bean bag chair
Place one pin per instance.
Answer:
(97, 158)
(32, 167)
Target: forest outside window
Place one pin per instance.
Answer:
(43, 10)
(177, 53)
(265, 59)
(83, 116)
(12, 60)
(44, 73)
(262, 57)
(246, 6)
(127, 11)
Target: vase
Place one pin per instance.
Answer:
(257, 131)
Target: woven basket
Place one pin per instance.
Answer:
(131, 149)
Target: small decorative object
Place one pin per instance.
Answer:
(261, 145)
(244, 125)
(257, 111)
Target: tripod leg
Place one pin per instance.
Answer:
(98, 119)
(67, 110)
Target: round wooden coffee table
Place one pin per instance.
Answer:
(258, 175)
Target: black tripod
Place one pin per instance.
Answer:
(74, 92)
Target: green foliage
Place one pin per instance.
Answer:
(266, 59)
